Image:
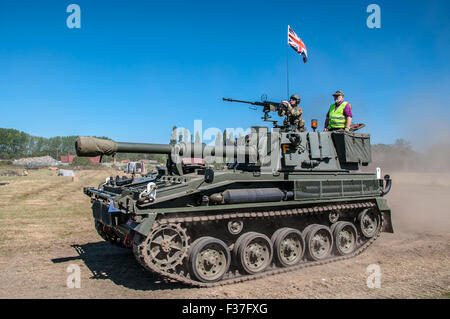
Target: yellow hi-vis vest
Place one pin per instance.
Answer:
(336, 118)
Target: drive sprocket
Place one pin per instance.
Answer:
(165, 247)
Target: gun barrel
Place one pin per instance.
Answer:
(241, 101)
(266, 104)
(91, 146)
(143, 148)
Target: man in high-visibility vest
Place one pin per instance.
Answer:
(339, 115)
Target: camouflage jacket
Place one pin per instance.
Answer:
(293, 117)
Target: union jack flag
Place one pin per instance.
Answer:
(296, 43)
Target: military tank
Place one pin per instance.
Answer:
(286, 200)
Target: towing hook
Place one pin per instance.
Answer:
(387, 185)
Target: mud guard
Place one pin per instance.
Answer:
(383, 207)
(144, 227)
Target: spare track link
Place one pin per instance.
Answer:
(231, 278)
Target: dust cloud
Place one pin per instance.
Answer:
(420, 194)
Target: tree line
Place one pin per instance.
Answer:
(15, 144)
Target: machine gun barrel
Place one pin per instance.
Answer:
(248, 102)
(268, 106)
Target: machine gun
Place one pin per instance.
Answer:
(267, 107)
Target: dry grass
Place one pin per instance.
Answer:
(42, 215)
(43, 208)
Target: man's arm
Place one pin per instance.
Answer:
(348, 122)
(281, 111)
(348, 116)
(325, 126)
(301, 125)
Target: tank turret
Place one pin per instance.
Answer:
(277, 151)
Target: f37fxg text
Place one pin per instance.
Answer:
(246, 308)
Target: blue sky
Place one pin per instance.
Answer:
(136, 68)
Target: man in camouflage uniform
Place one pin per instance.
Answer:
(293, 113)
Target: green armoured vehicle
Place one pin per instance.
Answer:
(287, 200)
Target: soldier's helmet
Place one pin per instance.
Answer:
(296, 97)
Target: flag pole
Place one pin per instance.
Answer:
(287, 65)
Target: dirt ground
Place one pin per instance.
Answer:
(46, 225)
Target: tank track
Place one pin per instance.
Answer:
(182, 275)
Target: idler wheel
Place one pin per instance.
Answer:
(99, 228)
(345, 235)
(253, 252)
(289, 246)
(319, 242)
(209, 259)
(108, 234)
(369, 222)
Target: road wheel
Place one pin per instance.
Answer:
(289, 246)
(344, 238)
(253, 252)
(319, 242)
(369, 222)
(209, 259)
